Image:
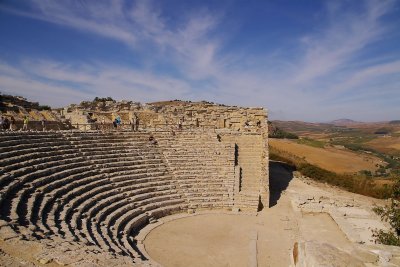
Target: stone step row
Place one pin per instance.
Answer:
(37, 155)
(39, 149)
(200, 165)
(100, 189)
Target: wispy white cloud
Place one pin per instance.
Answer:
(103, 20)
(17, 82)
(138, 26)
(61, 84)
(301, 86)
(347, 33)
(364, 76)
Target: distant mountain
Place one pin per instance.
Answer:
(302, 128)
(344, 122)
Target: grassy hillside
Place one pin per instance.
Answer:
(356, 183)
(360, 157)
(329, 158)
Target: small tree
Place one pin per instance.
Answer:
(390, 214)
(103, 99)
(366, 173)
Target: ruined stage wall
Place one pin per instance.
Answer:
(245, 128)
(251, 169)
(164, 116)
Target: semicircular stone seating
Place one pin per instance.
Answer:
(202, 166)
(97, 190)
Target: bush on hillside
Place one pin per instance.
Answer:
(390, 214)
(44, 107)
(103, 99)
(281, 134)
(311, 142)
(366, 173)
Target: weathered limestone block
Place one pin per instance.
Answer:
(311, 253)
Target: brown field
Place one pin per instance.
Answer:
(316, 136)
(385, 144)
(383, 182)
(332, 159)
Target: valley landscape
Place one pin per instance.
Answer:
(366, 153)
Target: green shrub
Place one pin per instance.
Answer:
(366, 173)
(311, 142)
(281, 134)
(103, 99)
(386, 238)
(277, 157)
(390, 214)
(44, 107)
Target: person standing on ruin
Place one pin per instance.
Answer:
(12, 123)
(137, 123)
(180, 124)
(6, 124)
(43, 125)
(1, 123)
(25, 126)
(247, 126)
(119, 122)
(103, 122)
(134, 118)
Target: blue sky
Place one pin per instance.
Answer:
(302, 60)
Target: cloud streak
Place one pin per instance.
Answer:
(138, 26)
(40, 78)
(326, 72)
(346, 35)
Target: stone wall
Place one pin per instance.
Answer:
(243, 128)
(168, 115)
(251, 169)
(202, 167)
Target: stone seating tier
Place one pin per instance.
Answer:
(202, 166)
(100, 188)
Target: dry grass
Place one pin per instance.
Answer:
(383, 182)
(385, 144)
(332, 159)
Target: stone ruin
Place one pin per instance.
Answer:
(167, 115)
(83, 196)
(19, 107)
